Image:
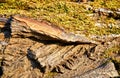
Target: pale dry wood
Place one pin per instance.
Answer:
(106, 70)
(48, 29)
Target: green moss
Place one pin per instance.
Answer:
(69, 15)
(109, 4)
(50, 75)
(112, 53)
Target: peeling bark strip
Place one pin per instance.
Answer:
(53, 31)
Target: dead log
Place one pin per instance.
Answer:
(19, 29)
(50, 30)
(54, 55)
(45, 55)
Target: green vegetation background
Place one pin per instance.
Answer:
(65, 13)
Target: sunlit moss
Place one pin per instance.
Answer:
(50, 75)
(109, 4)
(113, 53)
(69, 15)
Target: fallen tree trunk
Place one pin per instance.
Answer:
(53, 31)
(46, 54)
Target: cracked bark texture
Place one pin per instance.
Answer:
(32, 54)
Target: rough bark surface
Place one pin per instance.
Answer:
(27, 51)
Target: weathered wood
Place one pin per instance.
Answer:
(53, 55)
(19, 29)
(106, 70)
(45, 28)
(25, 54)
(2, 22)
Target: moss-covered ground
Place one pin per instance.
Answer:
(65, 13)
